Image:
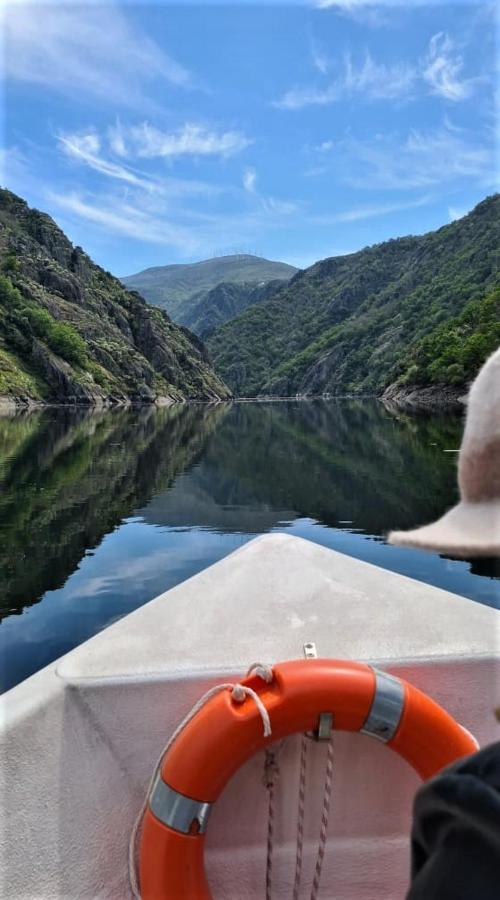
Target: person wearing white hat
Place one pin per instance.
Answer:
(456, 815)
(472, 527)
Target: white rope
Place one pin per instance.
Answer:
(238, 693)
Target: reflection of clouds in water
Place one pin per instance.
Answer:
(124, 573)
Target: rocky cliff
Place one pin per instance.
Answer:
(71, 333)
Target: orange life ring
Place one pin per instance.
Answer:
(223, 735)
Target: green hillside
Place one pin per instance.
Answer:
(184, 290)
(416, 310)
(224, 302)
(71, 333)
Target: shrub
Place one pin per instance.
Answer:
(11, 263)
(66, 342)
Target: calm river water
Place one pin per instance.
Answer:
(101, 511)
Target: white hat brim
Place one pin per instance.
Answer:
(469, 529)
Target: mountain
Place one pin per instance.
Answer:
(186, 291)
(71, 332)
(226, 301)
(416, 312)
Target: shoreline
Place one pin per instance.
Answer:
(434, 398)
(9, 406)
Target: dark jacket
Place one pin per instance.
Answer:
(456, 832)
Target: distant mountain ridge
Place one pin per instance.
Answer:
(417, 311)
(185, 291)
(71, 333)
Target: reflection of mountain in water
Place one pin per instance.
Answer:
(329, 460)
(341, 463)
(190, 501)
(67, 479)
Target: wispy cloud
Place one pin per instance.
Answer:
(319, 59)
(366, 12)
(372, 80)
(421, 159)
(440, 70)
(443, 67)
(146, 141)
(125, 217)
(86, 51)
(269, 205)
(85, 147)
(89, 148)
(150, 220)
(250, 180)
(324, 146)
(360, 213)
(274, 207)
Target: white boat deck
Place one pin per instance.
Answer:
(80, 738)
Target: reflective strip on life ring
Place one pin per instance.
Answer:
(223, 735)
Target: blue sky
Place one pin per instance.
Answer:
(157, 133)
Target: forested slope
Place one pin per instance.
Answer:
(416, 310)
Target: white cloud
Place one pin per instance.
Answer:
(250, 180)
(377, 80)
(145, 141)
(298, 98)
(270, 206)
(319, 59)
(422, 159)
(278, 207)
(85, 148)
(442, 68)
(117, 140)
(85, 50)
(344, 5)
(360, 213)
(371, 80)
(88, 147)
(125, 217)
(366, 12)
(324, 147)
(164, 218)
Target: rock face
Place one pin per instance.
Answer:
(206, 294)
(71, 333)
(412, 312)
(425, 397)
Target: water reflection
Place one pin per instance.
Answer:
(333, 461)
(68, 477)
(101, 511)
